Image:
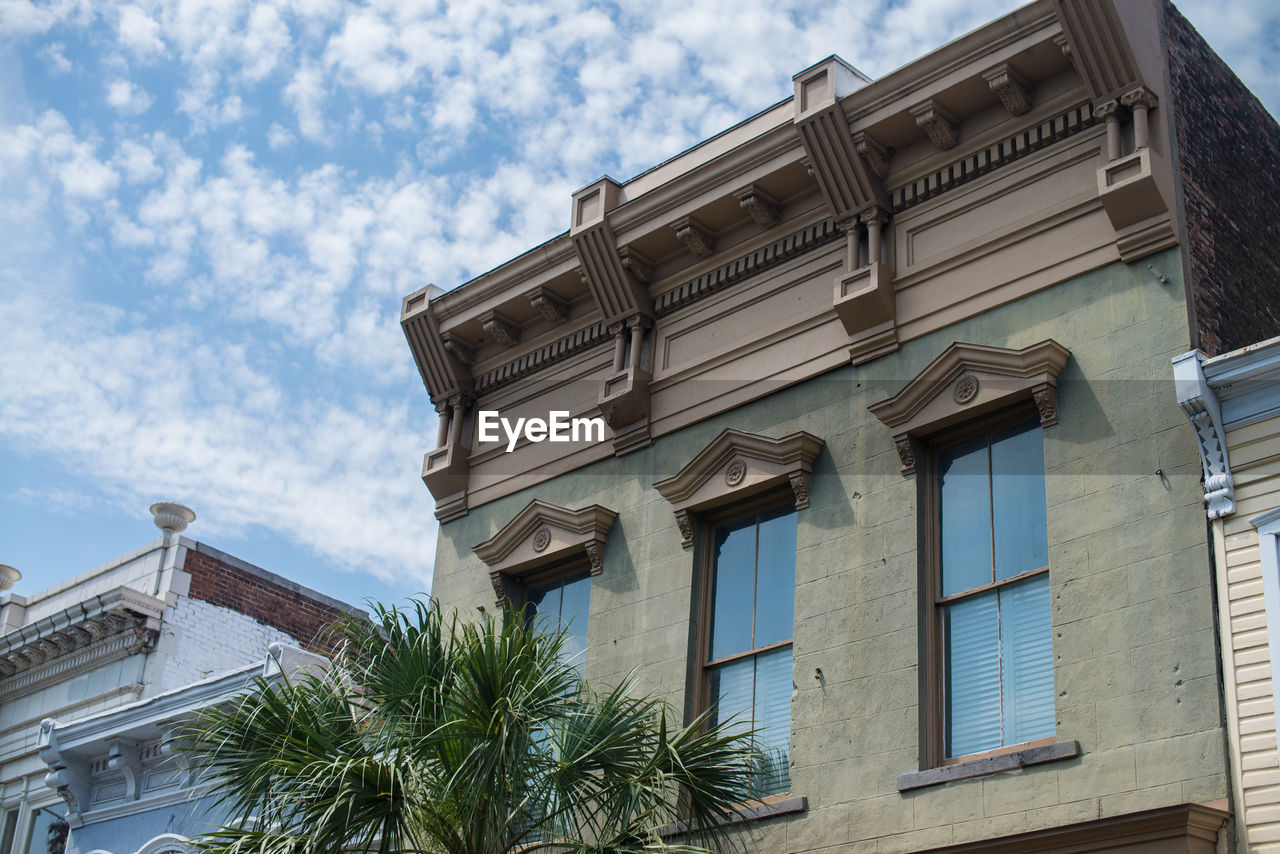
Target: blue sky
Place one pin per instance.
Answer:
(210, 210)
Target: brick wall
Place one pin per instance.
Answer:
(256, 595)
(1229, 159)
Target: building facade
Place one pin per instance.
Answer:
(133, 630)
(893, 465)
(1233, 403)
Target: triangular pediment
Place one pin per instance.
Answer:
(544, 533)
(737, 465)
(969, 380)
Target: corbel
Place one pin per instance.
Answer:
(939, 124)
(636, 264)
(694, 236)
(550, 306)
(1010, 87)
(876, 155)
(1199, 403)
(617, 292)
(758, 205)
(458, 347)
(173, 747)
(501, 329)
(1064, 44)
(122, 756)
(67, 775)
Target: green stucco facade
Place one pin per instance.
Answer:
(1135, 668)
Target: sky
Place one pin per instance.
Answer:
(211, 209)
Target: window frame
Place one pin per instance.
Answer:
(704, 602)
(933, 716)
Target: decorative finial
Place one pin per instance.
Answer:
(172, 518)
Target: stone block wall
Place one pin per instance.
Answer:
(1229, 163)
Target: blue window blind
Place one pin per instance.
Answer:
(995, 614)
(753, 614)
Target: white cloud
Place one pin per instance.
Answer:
(152, 414)
(278, 137)
(128, 99)
(139, 32)
(306, 93)
(55, 56)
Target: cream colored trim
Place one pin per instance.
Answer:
(1226, 636)
(738, 465)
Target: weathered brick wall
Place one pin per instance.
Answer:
(1229, 159)
(292, 611)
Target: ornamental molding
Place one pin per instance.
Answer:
(759, 205)
(553, 309)
(969, 380)
(695, 236)
(1010, 87)
(1199, 401)
(543, 534)
(737, 465)
(940, 126)
(119, 622)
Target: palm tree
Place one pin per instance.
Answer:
(457, 737)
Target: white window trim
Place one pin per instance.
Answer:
(1268, 525)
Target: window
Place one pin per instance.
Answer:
(48, 834)
(990, 588)
(564, 602)
(747, 648)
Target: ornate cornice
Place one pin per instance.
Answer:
(1055, 129)
(543, 534)
(968, 380)
(130, 618)
(558, 350)
(737, 465)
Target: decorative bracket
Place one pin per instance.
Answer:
(502, 330)
(67, 777)
(1010, 88)
(980, 379)
(122, 756)
(1200, 403)
(735, 466)
(636, 264)
(695, 238)
(457, 347)
(550, 306)
(937, 123)
(758, 205)
(876, 155)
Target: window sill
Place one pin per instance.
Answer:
(770, 807)
(1000, 763)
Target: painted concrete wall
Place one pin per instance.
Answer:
(1134, 652)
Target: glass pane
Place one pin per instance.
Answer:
(972, 633)
(575, 602)
(773, 719)
(543, 599)
(734, 594)
(48, 833)
(776, 579)
(1017, 494)
(965, 511)
(1026, 644)
(732, 689)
